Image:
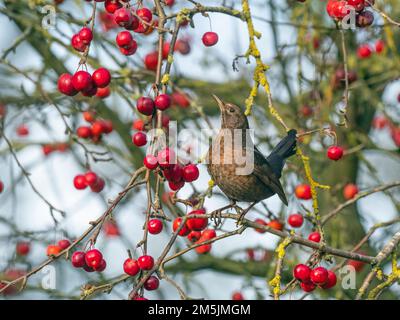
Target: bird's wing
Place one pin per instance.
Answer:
(264, 172)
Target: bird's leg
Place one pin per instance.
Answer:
(244, 212)
(216, 215)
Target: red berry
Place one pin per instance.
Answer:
(111, 228)
(151, 61)
(176, 224)
(89, 116)
(131, 267)
(180, 99)
(145, 105)
(295, 220)
(102, 266)
(144, 14)
(237, 296)
(379, 46)
(319, 275)
(78, 259)
(1, 186)
(150, 162)
(112, 5)
(275, 224)
(103, 93)
(101, 77)
(93, 258)
(205, 248)
(357, 265)
(138, 125)
(175, 186)
(97, 128)
(152, 283)
(173, 173)
(64, 244)
(209, 39)
(98, 186)
(190, 173)
(303, 191)
(22, 130)
(166, 157)
(134, 24)
(208, 234)
(155, 226)
(129, 50)
(122, 17)
(197, 224)
(162, 101)
(80, 182)
(307, 286)
(182, 46)
(331, 282)
(53, 250)
(263, 223)
(349, 191)
(82, 80)
(85, 35)
(364, 51)
(91, 178)
(23, 248)
(84, 132)
(380, 122)
(139, 139)
(302, 272)
(146, 262)
(314, 236)
(124, 39)
(77, 43)
(193, 236)
(334, 153)
(65, 85)
(107, 126)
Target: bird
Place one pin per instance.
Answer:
(262, 181)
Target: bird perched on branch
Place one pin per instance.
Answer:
(238, 167)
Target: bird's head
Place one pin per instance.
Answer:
(232, 117)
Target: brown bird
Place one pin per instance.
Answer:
(233, 151)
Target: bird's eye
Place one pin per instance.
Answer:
(231, 110)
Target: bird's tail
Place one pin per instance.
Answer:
(283, 150)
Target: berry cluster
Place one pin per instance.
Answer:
(54, 249)
(91, 260)
(144, 263)
(89, 179)
(97, 128)
(274, 224)
(311, 278)
(365, 50)
(338, 9)
(82, 39)
(50, 148)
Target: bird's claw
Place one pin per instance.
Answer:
(216, 216)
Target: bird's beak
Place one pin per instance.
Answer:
(221, 104)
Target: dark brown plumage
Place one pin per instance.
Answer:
(263, 181)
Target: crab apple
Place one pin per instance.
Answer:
(122, 17)
(261, 222)
(180, 99)
(275, 224)
(138, 125)
(111, 228)
(165, 120)
(162, 101)
(331, 281)
(97, 128)
(98, 186)
(93, 258)
(306, 111)
(112, 5)
(208, 234)
(102, 266)
(65, 85)
(209, 39)
(182, 46)
(78, 259)
(145, 105)
(193, 236)
(364, 51)
(150, 162)
(302, 272)
(173, 173)
(82, 80)
(77, 43)
(146, 262)
(166, 157)
(80, 182)
(144, 14)
(90, 92)
(64, 243)
(176, 224)
(131, 267)
(90, 178)
(22, 248)
(205, 248)
(334, 152)
(85, 35)
(169, 3)
(87, 268)
(139, 139)
(197, 224)
(22, 130)
(101, 77)
(379, 46)
(103, 93)
(152, 283)
(314, 236)
(175, 186)
(47, 149)
(129, 50)
(89, 116)
(296, 220)
(319, 276)
(307, 286)
(237, 296)
(303, 191)
(124, 39)
(357, 265)
(330, 8)
(190, 173)
(134, 24)
(155, 226)
(350, 190)
(53, 250)
(364, 19)
(84, 132)
(107, 126)
(151, 61)
(357, 4)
